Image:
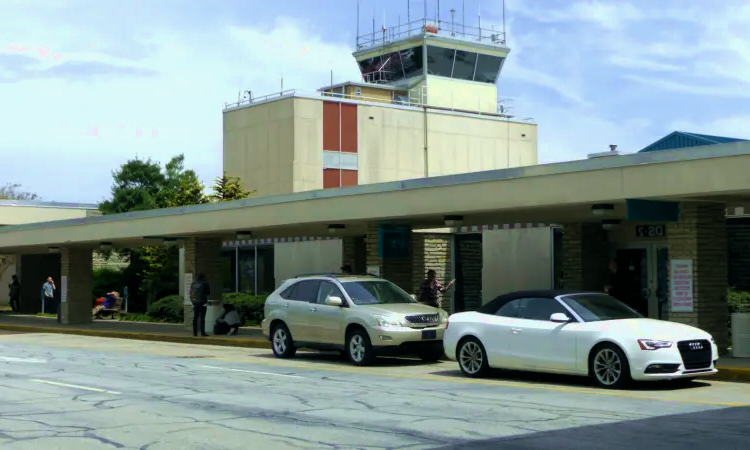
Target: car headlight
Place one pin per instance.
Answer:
(653, 344)
(443, 316)
(387, 321)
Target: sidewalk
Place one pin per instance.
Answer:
(730, 369)
(249, 337)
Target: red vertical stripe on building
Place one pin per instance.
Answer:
(331, 178)
(348, 128)
(331, 126)
(349, 178)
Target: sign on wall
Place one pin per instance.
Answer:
(188, 282)
(63, 289)
(393, 241)
(681, 286)
(651, 231)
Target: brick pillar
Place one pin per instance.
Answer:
(77, 301)
(202, 256)
(432, 251)
(701, 236)
(585, 254)
(349, 251)
(396, 270)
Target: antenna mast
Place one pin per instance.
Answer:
(504, 39)
(357, 24)
(463, 17)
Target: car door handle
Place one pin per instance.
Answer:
(286, 305)
(313, 309)
(515, 330)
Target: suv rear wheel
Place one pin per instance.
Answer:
(282, 343)
(359, 348)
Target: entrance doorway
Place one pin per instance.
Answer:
(647, 266)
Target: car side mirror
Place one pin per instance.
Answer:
(559, 318)
(334, 301)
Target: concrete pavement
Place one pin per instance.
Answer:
(63, 391)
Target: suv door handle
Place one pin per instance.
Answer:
(515, 330)
(312, 308)
(286, 305)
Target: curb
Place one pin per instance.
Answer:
(224, 342)
(734, 374)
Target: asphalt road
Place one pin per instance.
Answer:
(75, 392)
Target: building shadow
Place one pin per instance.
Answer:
(725, 429)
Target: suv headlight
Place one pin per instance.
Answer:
(443, 316)
(387, 321)
(653, 344)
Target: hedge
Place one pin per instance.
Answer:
(171, 309)
(739, 301)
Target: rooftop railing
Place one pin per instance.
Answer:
(431, 27)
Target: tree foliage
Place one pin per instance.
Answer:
(227, 188)
(12, 191)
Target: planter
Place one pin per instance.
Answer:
(741, 335)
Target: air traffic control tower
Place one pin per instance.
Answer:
(434, 62)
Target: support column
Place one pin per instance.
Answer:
(585, 256)
(396, 270)
(349, 251)
(201, 256)
(432, 251)
(701, 236)
(75, 285)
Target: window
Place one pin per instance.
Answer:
(440, 61)
(375, 292)
(396, 65)
(303, 291)
(509, 309)
(596, 307)
(327, 290)
(488, 68)
(541, 308)
(463, 69)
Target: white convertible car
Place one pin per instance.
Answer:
(588, 334)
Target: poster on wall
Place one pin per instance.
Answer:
(63, 289)
(188, 282)
(681, 285)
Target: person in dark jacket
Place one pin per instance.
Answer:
(199, 292)
(14, 289)
(619, 285)
(431, 288)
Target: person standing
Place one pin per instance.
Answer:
(48, 296)
(199, 292)
(431, 289)
(15, 293)
(619, 285)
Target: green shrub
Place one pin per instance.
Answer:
(248, 306)
(106, 280)
(739, 301)
(168, 309)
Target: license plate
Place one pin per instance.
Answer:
(429, 334)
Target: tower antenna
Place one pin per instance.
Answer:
(463, 17)
(357, 24)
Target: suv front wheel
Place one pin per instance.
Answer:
(282, 343)
(359, 348)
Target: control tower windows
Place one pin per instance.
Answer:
(463, 68)
(440, 61)
(392, 66)
(487, 68)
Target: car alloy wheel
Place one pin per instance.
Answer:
(472, 358)
(607, 367)
(359, 348)
(279, 340)
(282, 343)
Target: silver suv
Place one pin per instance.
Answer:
(362, 316)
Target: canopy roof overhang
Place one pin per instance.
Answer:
(551, 193)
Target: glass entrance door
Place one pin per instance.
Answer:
(646, 266)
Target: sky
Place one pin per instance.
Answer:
(86, 85)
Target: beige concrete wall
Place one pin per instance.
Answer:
(295, 258)
(516, 259)
(459, 94)
(259, 143)
(307, 155)
(18, 214)
(391, 144)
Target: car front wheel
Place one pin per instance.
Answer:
(472, 358)
(609, 367)
(282, 343)
(359, 348)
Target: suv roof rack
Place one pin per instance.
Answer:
(335, 275)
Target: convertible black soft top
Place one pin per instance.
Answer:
(493, 305)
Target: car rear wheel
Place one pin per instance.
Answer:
(359, 348)
(609, 367)
(282, 343)
(472, 358)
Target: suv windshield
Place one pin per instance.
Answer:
(375, 292)
(598, 307)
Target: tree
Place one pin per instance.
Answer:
(12, 191)
(228, 188)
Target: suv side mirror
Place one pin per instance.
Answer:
(334, 301)
(559, 318)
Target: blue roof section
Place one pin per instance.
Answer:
(682, 139)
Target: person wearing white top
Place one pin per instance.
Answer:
(228, 322)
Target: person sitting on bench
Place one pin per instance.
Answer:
(228, 322)
(109, 302)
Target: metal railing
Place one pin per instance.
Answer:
(431, 27)
(417, 98)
